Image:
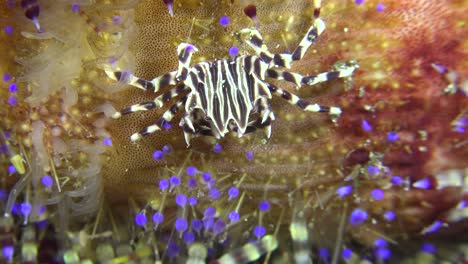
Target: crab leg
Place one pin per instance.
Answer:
(166, 118)
(157, 102)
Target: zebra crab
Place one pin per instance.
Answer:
(219, 96)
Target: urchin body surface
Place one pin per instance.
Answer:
(230, 94)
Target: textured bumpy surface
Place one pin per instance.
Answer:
(386, 182)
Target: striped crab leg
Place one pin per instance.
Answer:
(159, 124)
(157, 102)
(305, 105)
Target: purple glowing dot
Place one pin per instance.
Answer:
(422, 184)
(383, 253)
(140, 219)
(41, 209)
(8, 30)
(219, 226)
(10, 3)
(181, 200)
(3, 194)
(158, 218)
(324, 253)
(215, 193)
(380, 7)
(25, 208)
(249, 155)
(16, 209)
(259, 231)
(209, 212)
(107, 142)
(366, 126)
(75, 8)
(377, 194)
(163, 184)
(233, 192)
(264, 206)
(217, 148)
(42, 224)
(459, 129)
(392, 136)
(396, 180)
(347, 253)
(166, 149)
(8, 251)
(389, 216)
(13, 87)
(181, 224)
(112, 61)
(344, 190)
(373, 170)
(189, 48)
(380, 242)
(439, 68)
(6, 77)
(116, 19)
(189, 238)
(173, 250)
(359, 2)
(167, 125)
(357, 217)
(428, 248)
(233, 51)
(224, 21)
(11, 169)
(233, 216)
(192, 201)
(158, 155)
(206, 177)
(192, 183)
(3, 148)
(208, 222)
(433, 228)
(12, 100)
(462, 204)
(197, 225)
(175, 181)
(191, 170)
(46, 181)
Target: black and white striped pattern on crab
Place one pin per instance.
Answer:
(227, 90)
